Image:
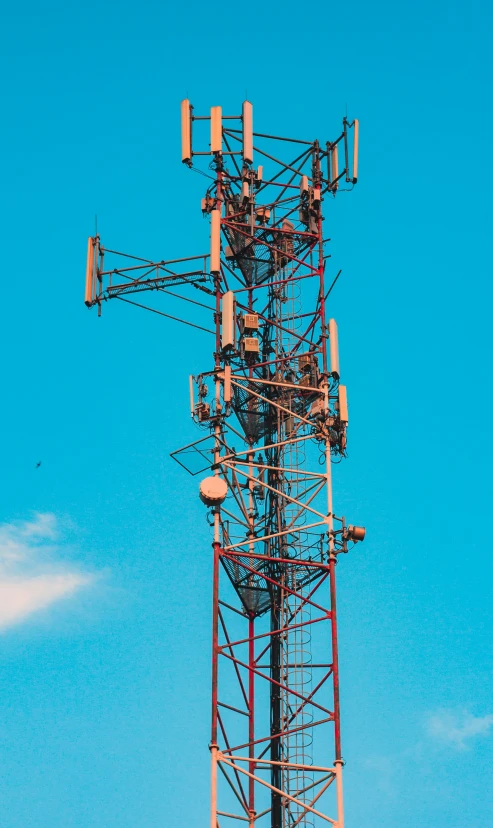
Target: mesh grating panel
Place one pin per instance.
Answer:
(254, 589)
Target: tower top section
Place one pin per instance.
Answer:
(233, 136)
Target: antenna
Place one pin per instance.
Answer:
(334, 348)
(335, 168)
(215, 241)
(355, 150)
(216, 130)
(228, 338)
(90, 271)
(343, 409)
(247, 132)
(227, 384)
(186, 132)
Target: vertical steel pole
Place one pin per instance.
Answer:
(215, 618)
(335, 655)
(275, 710)
(215, 597)
(251, 720)
(215, 644)
(330, 529)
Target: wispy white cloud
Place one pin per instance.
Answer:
(32, 576)
(457, 727)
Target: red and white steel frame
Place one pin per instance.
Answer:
(276, 539)
(245, 759)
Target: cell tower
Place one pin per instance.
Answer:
(274, 417)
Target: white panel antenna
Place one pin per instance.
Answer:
(90, 270)
(335, 167)
(228, 330)
(227, 383)
(334, 349)
(216, 129)
(186, 131)
(343, 409)
(215, 241)
(355, 150)
(247, 132)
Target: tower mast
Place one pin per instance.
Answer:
(274, 386)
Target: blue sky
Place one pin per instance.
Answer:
(104, 550)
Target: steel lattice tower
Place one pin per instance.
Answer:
(275, 417)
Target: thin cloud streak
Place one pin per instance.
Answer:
(32, 577)
(458, 728)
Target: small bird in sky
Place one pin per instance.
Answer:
(38, 464)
